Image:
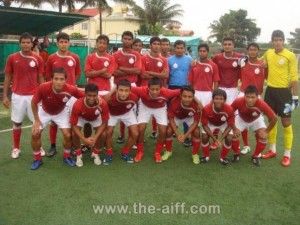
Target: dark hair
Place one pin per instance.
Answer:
(164, 40)
(219, 92)
(26, 35)
(277, 33)
(187, 88)
(137, 40)
(124, 82)
(204, 45)
(62, 35)
(103, 37)
(154, 81)
(127, 33)
(59, 70)
(253, 44)
(228, 39)
(179, 42)
(91, 88)
(251, 89)
(153, 39)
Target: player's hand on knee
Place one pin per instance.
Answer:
(181, 138)
(36, 127)
(90, 141)
(236, 133)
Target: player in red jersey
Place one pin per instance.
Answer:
(153, 102)
(121, 108)
(100, 65)
(250, 116)
(49, 103)
(219, 116)
(24, 70)
(204, 76)
(252, 72)
(183, 109)
(227, 63)
(154, 65)
(71, 64)
(128, 66)
(93, 110)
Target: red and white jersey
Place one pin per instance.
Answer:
(249, 114)
(164, 96)
(89, 113)
(54, 102)
(25, 71)
(95, 62)
(118, 107)
(176, 109)
(253, 74)
(229, 70)
(70, 62)
(210, 115)
(153, 64)
(131, 59)
(203, 74)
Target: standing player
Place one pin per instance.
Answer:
(100, 65)
(93, 110)
(204, 76)
(24, 70)
(153, 102)
(121, 105)
(128, 66)
(154, 65)
(252, 72)
(63, 58)
(227, 63)
(183, 109)
(53, 97)
(281, 93)
(217, 116)
(250, 116)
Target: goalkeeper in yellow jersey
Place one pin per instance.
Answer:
(281, 93)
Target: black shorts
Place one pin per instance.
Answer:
(277, 98)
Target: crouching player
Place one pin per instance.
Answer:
(183, 109)
(93, 110)
(153, 102)
(217, 116)
(121, 104)
(250, 109)
(53, 96)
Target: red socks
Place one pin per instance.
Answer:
(125, 150)
(122, 129)
(154, 125)
(224, 151)
(245, 137)
(169, 144)
(205, 150)
(78, 152)
(140, 147)
(196, 146)
(260, 146)
(109, 152)
(37, 155)
(52, 133)
(67, 153)
(159, 147)
(16, 133)
(236, 147)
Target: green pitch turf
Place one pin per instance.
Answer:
(57, 194)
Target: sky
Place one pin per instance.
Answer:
(269, 15)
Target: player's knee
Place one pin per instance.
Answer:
(67, 135)
(228, 139)
(196, 132)
(134, 133)
(36, 136)
(261, 134)
(204, 138)
(169, 132)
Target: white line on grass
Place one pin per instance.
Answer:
(7, 130)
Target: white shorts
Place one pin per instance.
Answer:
(189, 121)
(232, 94)
(70, 103)
(94, 123)
(128, 119)
(62, 119)
(213, 128)
(145, 113)
(254, 125)
(204, 97)
(102, 93)
(20, 107)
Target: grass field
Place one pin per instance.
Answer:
(57, 194)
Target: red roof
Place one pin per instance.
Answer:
(88, 12)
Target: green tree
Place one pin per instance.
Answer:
(295, 40)
(155, 13)
(235, 24)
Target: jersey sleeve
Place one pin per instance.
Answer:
(293, 68)
(76, 92)
(204, 118)
(41, 68)
(88, 64)
(267, 110)
(191, 75)
(234, 104)
(166, 65)
(138, 90)
(112, 66)
(216, 75)
(171, 93)
(9, 65)
(48, 68)
(75, 113)
(138, 62)
(78, 67)
(171, 109)
(37, 97)
(105, 111)
(230, 120)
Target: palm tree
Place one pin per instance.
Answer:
(103, 5)
(158, 12)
